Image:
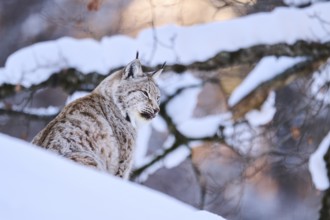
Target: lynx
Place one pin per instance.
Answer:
(99, 130)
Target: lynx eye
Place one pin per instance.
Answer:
(145, 93)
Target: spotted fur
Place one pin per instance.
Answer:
(99, 130)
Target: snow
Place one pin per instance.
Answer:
(170, 161)
(37, 184)
(48, 111)
(241, 33)
(320, 85)
(142, 143)
(85, 55)
(300, 2)
(32, 65)
(246, 139)
(181, 107)
(171, 82)
(149, 171)
(208, 216)
(159, 44)
(159, 124)
(265, 114)
(170, 140)
(268, 68)
(143, 137)
(177, 156)
(118, 50)
(203, 127)
(76, 95)
(141, 158)
(317, 165)
(173, 44)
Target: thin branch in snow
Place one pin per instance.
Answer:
(324, 23)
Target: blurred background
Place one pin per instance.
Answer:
(260, 172)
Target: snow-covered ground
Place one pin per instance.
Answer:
(36, 184)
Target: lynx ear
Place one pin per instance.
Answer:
(133, 69)
(156, 74)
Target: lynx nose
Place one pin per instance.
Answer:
(156, 110)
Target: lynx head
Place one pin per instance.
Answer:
(136, 93)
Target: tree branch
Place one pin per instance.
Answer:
(253, 54)
(71, 79)
(29, 116)
(255, 99)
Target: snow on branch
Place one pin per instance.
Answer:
(252, 98)
(301, 3)
(250, 55)
(317, 165)
(267, 68)
(213, 44)
(31, 116)
(321, 83)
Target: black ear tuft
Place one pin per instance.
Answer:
(163, 65)
(160, 70)
(137, 55)
(130, 72)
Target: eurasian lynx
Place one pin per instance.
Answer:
(99, 130)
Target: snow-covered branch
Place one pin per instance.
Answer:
(254, 98)
(253, 54)
(27, 115)
(226, 43)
